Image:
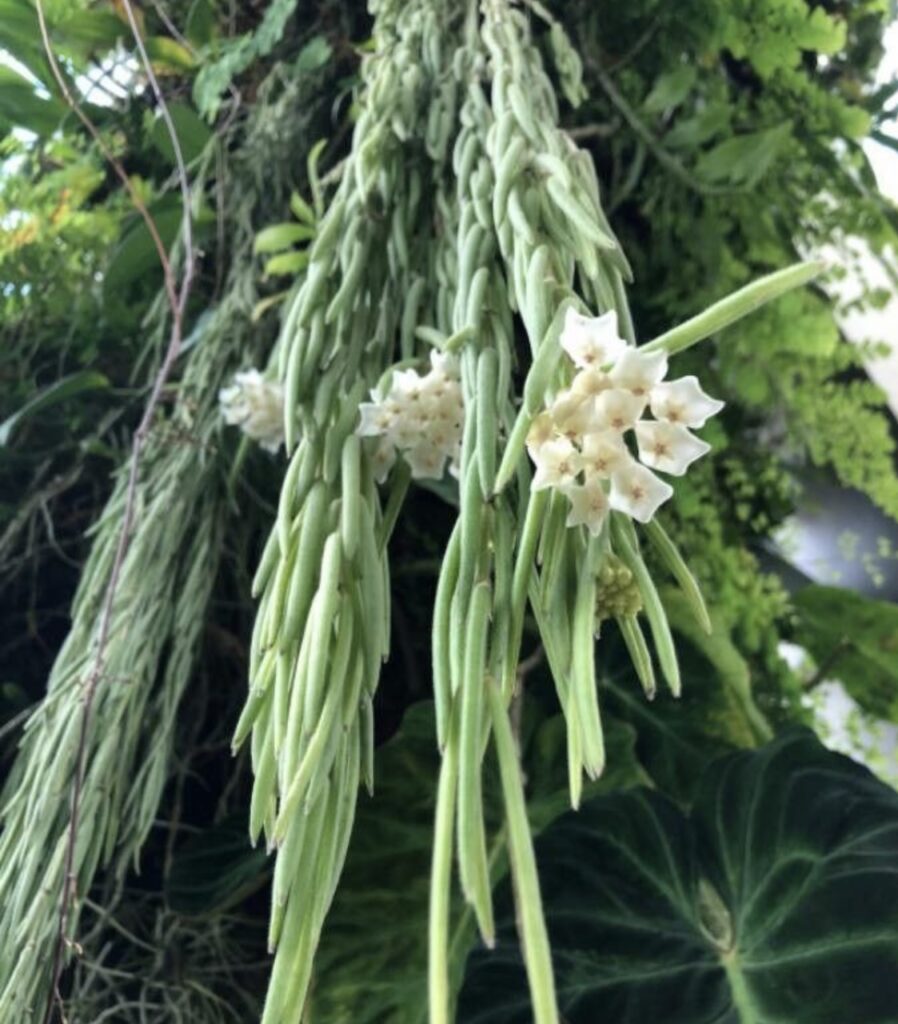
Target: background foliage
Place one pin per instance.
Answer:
(727, 136)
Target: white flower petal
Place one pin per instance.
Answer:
(590, 383)
(617, 409)
(637, 492)
(557, 464)
(382, 459)
(668, 447)
(589, 506)
(406, 431)
(573, 415)
(683, 401)
(247, 379)
(542, 429)
(406, 387)
(375, 419)
(444, 364)
(455, 461)
(591, 341)
(639, 372)
(426, 461)
(602, 453)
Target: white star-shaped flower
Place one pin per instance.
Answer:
(668, 447)
(591, 341)
(589, 506)
(590, 383)
(637, 492)
(443, 438)
(602, 453)
(437, 388)
(557, 464)
(408, 429)
(256, 405)
(376, 418)
(617, 409)
(421, 417)
(573, 415)
(426, 461)
(683, 401)
(639, 372)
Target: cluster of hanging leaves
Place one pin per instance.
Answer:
(689, 114)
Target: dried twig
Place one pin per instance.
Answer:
(177, 295)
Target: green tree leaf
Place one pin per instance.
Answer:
(85, 380)
(670, 89)
(168, 56)
(192, 132)
(314, 55)
(775, 900)
(278, 237)
(853, 639)
(744, 159)
(136, 252)
(21, 105)
(286, 263)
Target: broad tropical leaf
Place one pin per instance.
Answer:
(774, 902)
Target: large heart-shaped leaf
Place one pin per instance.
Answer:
(774, 902)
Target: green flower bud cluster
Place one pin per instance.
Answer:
(617, 593)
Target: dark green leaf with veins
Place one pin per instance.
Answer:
(774, 902)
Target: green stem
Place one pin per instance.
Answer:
(735, 306)
(534, 937)
(628, 551)
(438, 987)
(680, 571)
(514, 449)
(399, 488)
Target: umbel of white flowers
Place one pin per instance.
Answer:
(579, 443)
(256, 406)
(420, 417)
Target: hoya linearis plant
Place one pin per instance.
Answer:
(466, 281)
(183, 495)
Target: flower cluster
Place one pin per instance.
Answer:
(420, 417)
(579, 443)
(256, 406)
